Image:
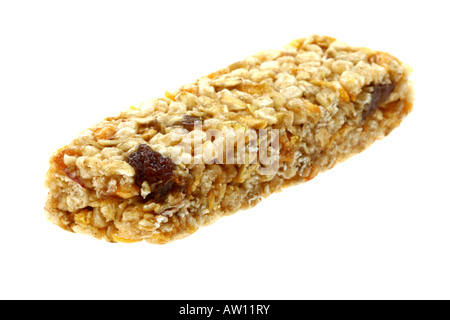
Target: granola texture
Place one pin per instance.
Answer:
(128, 179)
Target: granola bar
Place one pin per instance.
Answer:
(160, 171)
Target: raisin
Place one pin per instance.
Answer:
(379, 95)
(189, 122)
(150, 166)
(161, 192)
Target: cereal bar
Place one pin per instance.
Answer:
(160, 171)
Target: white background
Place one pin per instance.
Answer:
(374, 227)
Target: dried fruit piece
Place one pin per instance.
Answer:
(379, 95)
(150, 165)
(189, 122)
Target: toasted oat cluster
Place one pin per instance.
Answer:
(160, 171)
